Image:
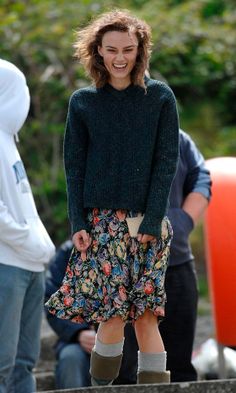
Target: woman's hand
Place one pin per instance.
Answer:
(81, 240)
(145, 238)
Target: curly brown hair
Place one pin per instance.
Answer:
(90, 38)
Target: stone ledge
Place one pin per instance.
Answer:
(218, 386)
(45, 381)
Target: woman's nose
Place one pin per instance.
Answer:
(119, 56)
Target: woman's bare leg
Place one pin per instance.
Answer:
(106, 355)
(147, 333)
(111, 331)
(152, 355)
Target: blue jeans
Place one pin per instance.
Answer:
(72, 370)
(21, 305)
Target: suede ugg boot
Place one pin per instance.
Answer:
(104, 369)
(146, 377)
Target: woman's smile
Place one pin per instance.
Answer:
(120, 66)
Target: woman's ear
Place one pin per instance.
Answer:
(100, 51)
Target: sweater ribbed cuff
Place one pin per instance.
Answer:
(148, 228)
(79, 227)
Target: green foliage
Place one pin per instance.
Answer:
(212, 8)
(203, 287)
(196, 55)
(193, 49)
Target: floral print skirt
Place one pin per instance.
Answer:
(117, 275)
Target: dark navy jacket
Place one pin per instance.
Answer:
(66, 330)
(191, 176)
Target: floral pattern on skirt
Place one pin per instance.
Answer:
(117, 275)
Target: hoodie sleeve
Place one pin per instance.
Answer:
(31, 241)
(12, 232)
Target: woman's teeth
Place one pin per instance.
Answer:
(120, 66)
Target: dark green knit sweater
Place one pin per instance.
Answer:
(120, 151)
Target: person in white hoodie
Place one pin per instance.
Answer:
(25, 246)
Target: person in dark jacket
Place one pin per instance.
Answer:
(75, 340)
(189, 197)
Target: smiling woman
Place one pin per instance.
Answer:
(119, 52)
(101, 37)
(120, 153)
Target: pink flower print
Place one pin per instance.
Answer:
(96, 220)
(111, 232)
(106, 299)
(106, 268)
(65, 288)
(148, 288)
(122, 293)
(95, 211)
(70, 274)
(68, 269)
(77, 319)
(68, 300)
(159, 312)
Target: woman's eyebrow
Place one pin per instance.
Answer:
(125, 47)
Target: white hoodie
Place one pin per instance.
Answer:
(24, 241)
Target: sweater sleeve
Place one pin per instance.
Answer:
(163, 168)
(75, 153)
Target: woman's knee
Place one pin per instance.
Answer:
(111, 331)
(113, 323)
(146, 321)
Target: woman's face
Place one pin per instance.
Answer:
(119, 51)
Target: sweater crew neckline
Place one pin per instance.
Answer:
(120, 94)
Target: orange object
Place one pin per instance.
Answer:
(220, 239)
